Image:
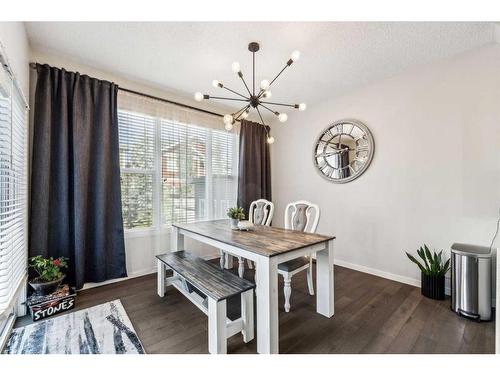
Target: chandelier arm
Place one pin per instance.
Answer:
(234, 92)
(223, 98)
(282, 104)
(240, 112)
(269, 109)
(246, 86)
(277, 75)
(261, 119)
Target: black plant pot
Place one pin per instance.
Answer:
(45, 288)
(433, 286)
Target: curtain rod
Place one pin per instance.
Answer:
(33, 66)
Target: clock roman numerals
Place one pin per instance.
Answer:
(344, 151)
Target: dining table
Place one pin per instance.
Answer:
(267, 247)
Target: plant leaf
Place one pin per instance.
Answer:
(412, 258)
(446, 267)
(429, 255)
(421, 253)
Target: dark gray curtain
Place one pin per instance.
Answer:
(254, 180)
(75, 181)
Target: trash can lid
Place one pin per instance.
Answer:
(471, 250)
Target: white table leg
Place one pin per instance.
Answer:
(228, 262)
(217, 338)
(176, 240)
(161, 268)
(221, 259)
(324, 281)
(247, 315)
(267, 306)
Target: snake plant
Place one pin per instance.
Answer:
(432, 262)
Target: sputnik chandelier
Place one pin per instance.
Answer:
(253, 99)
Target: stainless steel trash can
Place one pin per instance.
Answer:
(471, 281)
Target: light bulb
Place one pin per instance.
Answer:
(244, 115)
(228, 119)
(236, 67)
(267, 94)
(302, 106)
(270, 140)
(229, 127)
(264, 84)
(283, 117)
(198, 96)
(295, 55)
(215, 83)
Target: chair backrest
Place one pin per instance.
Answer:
(261, 212)
(302, 215)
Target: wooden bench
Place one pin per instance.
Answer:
(217, 285)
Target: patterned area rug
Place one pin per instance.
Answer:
(102, 329)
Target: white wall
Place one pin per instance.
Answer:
(140, 246)
(435, 177)
(15, 41)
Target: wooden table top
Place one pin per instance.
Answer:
(262, 240)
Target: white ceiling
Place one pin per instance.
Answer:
(186, 56)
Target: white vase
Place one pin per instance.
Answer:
(234, 224)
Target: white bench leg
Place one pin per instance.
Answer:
(250, 265)
(241, 266)
(247, 315)
(217, 339)
(161, 268)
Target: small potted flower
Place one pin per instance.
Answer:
(235, 214)
(49, 273)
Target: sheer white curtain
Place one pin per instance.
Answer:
(171, 112)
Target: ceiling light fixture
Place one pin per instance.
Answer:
(253, 99)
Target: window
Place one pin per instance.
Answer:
(13, 188)
(137, 141)
(174, 168)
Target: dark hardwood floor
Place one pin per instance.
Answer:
(372, 315)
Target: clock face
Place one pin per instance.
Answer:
(344, 151)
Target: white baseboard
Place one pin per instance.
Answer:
(139, 273)
(373, 271)
(131, 275)
(388, 275)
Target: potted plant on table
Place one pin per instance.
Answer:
(49, 273)
(433, 271)
(235, 214)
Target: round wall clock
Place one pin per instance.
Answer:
(344, 151)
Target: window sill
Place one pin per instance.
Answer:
(146, 232)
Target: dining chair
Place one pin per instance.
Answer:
(260, 212)
(302, 216)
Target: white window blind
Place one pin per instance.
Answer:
(174, 168)
(137, 160)
(13, 188)
(224, 172)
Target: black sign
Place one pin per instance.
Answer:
(52, 308)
